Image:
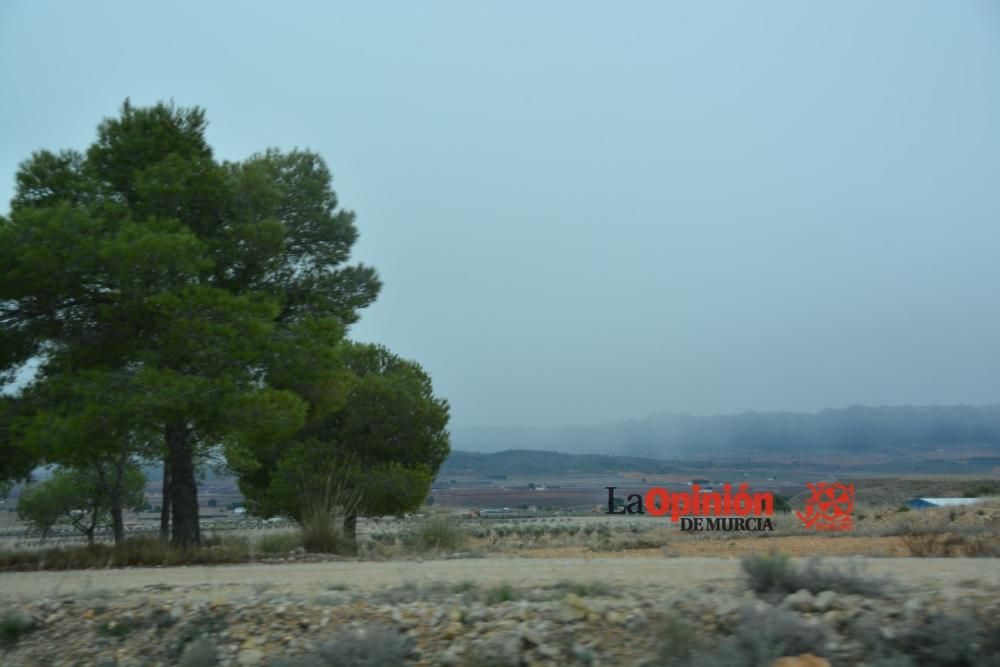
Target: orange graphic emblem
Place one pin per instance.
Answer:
(829, 507)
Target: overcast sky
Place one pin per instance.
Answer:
(584, 212)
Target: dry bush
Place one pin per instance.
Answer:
(436, 533)
(929, 544)
(138, 550)
(982, 546)
(15, 625)
(279, 543)
(372, 646)
(777, 574)
(326, 500)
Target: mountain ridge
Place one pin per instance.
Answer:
(857, 428)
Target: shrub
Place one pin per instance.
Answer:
(758, 639)
(982, 490)
(322, 533)
(436, 533)
(279, 543)
(592, 588)
(138, 550)
(14, 625)
(675, 641)
(955, 639)
(982, 546)
(498, 594)
(374, 646)
(777, 574)
(762, 637)
(200, 653)
(781, 503)
(464, 586)
(925, 544)
(767, 572)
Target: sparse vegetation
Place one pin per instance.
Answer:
(372, 646)
(778, 574)
(676, 641)
(761, 637)
(982, 490)
(502, 593)
(139, 550)
(933, 543)
(14, 625)
(280, 543)
(323, 533)
(436, 533)
(200, 653)
(585, 589)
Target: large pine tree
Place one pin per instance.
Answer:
(145, 268)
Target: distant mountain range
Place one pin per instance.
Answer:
(857, 429)
(520, 461)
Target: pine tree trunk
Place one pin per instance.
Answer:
(165, 507)
(183, 486)
(117, 520)
(351, 526)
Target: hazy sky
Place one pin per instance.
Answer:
(585, 212)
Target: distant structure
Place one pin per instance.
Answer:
(924, 503)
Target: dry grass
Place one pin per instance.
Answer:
(140, 550)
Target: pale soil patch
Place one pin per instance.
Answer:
(315, 578)
(797, 546)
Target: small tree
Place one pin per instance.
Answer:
(76, 497)
(380, 447)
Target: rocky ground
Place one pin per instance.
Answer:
(476, 621)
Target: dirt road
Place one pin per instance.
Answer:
(306, 578)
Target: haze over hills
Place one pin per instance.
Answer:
(856, 429)
(901, 439)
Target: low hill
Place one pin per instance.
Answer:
(857, 429)
(534, 462)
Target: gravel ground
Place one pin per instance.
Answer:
(673, 573)
(502, 612)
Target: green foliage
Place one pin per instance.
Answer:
(16, 459)
(76, 497)
(675, 640)
(982, 490)
(585, 589)
(15, 625)
(172, 302)
(498, 594)
(767, 572)
(781, 503)
(381, 443)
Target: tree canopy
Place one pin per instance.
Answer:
(381, 445)
(77, 497)
(145, 268)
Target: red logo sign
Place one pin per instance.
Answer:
(829, 507)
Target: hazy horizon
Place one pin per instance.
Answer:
(586, 214)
